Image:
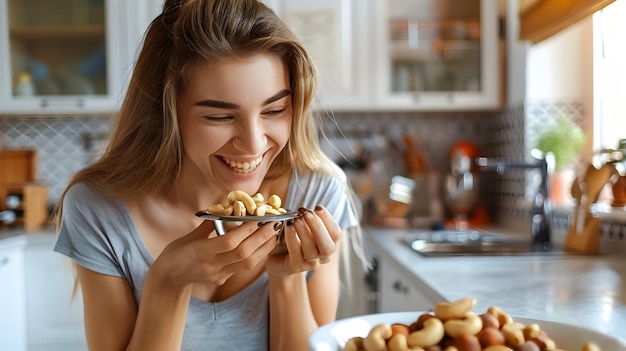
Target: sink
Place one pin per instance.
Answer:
(471, 243)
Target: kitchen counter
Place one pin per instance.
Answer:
(11, 237)
(589, 291)
(18, 236)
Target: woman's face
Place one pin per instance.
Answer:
(234, 119)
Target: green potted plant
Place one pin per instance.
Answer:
(564, 139)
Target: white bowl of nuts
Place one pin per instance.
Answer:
(450, 327)
(242, 207)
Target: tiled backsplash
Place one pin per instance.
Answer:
(67, 144)
(64, 144)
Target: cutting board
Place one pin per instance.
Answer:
(583, 234)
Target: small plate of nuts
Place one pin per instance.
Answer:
(243, 207)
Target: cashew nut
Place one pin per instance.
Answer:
(513, 334)
(397, 343)
(248, 202)
(260, 210)
(271, 211)
(239, 209)
(502, 316)
(258, 198)
(531, 331)
(275, 201)
(221, 209)
(456, 309)
(354, 344)
(471, 325)
(429, 335)
(377, 338)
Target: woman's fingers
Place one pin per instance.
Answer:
(246, 238)
(304, 227)
(318, 233)
(329, 222)
(241, 248)
(325, 231)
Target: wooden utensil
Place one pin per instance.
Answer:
(583, 235)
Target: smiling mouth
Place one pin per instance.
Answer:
(243, 167)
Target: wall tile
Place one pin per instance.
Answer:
(60, 142)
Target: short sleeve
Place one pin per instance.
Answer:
(87, 217)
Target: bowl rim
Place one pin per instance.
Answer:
(266, 218)
(318, 341)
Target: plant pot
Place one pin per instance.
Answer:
(560, 187)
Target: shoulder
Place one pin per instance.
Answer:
(311, 188)
(86, 200)
(325, 180)
(81, 192)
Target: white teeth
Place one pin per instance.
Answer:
(243, 167)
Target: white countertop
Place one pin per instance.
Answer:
(18, 236)
(589, 291)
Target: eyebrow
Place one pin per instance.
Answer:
(229, 105)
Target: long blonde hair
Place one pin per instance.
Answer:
(145, 151)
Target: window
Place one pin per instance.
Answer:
(609, 72)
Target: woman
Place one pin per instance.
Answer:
(219, 100)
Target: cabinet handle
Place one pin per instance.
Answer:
(4, 261)
(80, 103)
(400, 287)
(447, 97)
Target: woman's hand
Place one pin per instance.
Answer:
(311, 241)
(196, 258)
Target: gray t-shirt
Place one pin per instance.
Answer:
(98, 233)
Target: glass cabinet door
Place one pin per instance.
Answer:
(438, 52)
(57, 47)
(59, 53)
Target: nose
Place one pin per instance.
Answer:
(252, 138)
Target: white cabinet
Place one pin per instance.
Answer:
(335, 32)
(441, 54)
(401, 54)
(55, 315)
(12, 298)
(398, 291)
(66, 56)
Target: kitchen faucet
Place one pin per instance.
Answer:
(541, 210)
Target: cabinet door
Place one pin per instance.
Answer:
(397, 293)
(436, 54)
(336, 34)
(64, 56)
(55, 315)
(12, 300)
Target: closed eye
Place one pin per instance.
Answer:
(218, 119)
(277, 112)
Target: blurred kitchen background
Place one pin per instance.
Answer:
(396, 77)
